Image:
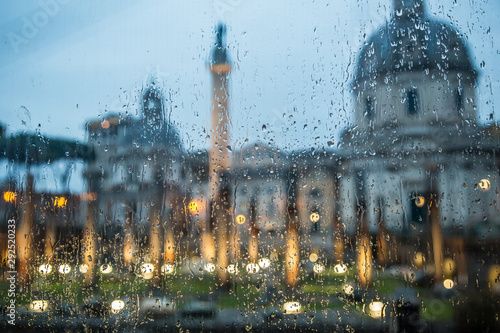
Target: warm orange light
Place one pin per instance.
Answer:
(105, 124)
(194, 206)
(314, 217)
(484, 184)
(60, 202)
(9, 196)
(88, 196)
(419, 201)
(240, 219)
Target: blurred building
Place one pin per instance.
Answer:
(139, 173)
(415, 133)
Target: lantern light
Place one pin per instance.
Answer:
(241, 219)
(253, 268)
(45, 269)
(264, 263)
(64, 269)
(340, 268)
(318, 268)
(376, 309)
(39, 305)
(106, 269)
(484, 184)
(117, 305)
(84, 268)
(419, 201)
(314, 217)
(209, 267)
(60, 202)
(232, 269)
(9, 196)
(167, 269)
(348, 289)
(448, 284)
(292, 307)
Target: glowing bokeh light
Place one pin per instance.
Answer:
(9, 196)
(314, 217)
(39, 305)
(264, 262)
(448, 284)
(484, 184)
(375, 309)
(167, 269)
(117, 305)
(340, 269)
(232, 269)
(45, 269)
(106, 269)
(64, 269)
(241, 219)
(292, 307)
(348, 289)
(253, 268)
(60, 202)
(318, 268)
(209, 267)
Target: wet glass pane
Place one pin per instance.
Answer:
(232, 165)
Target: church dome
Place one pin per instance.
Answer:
(413, 41)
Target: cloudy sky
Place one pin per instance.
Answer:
(65, 62)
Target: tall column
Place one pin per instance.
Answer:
(220, 154)
(253, 242)
(292, 251)
(129, 246)
(89, 246)
(437, 238)
(23, 235)
(155, 235)
(382, 244)
(338, 230)
(364, 259)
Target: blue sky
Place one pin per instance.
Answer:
(292, 62)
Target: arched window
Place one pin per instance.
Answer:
(459, 99)
(369, 107)
(413, 102)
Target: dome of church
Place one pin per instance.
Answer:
(413, 41)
